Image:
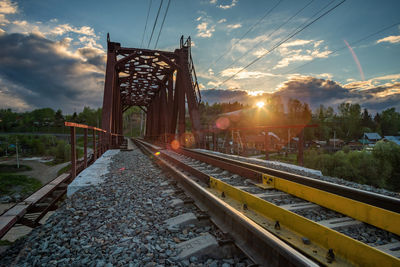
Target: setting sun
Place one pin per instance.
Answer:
(260, 104)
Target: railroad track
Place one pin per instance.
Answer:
(330, 224)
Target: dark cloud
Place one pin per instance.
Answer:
(316, 91)
(214, 96)
(43, 73)
(329, 93)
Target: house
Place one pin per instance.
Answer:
(370, 138)
(318, 143)
(336, 142)
(394, 139)
(355, 145)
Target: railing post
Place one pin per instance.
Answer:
(94, 145)
(266, 144)
(73, 153)
(85, 131)
(300, 148)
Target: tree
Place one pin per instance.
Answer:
(390, 122)
(59, 118)
(349, 120)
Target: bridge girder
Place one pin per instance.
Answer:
(160, 82)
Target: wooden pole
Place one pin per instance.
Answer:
(85, 147)
(73, 153)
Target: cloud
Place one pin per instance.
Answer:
(233, 3)
(3, 20)
(8, 7)
(204, 30)
(244, 74)
(390, 39)
(38, 72)
(234, 26)
(65, 28)
(380, 94)
(330, 93)
(219, 96)
(221, 20)
(308, 50)
(297, 43)
(213, 1)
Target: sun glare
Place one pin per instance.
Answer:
(260, 104)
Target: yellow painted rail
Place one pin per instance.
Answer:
(350, 249)
(381, 218)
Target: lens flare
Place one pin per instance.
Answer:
(157, 153)
(355, 60)
(175, 144)
(222, 123)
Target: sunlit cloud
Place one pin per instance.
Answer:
(221, 20)
(234, 26)
(233, 3)
(296, 43)
(390, 39)
(204, 30)
(244, 74)
(306, 50)
(8, 7)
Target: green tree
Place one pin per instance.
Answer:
(390, 122)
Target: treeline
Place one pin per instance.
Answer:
(45, 120)
(35, 145)
(379, 167)
(348, 123)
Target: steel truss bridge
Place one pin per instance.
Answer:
(159, 82)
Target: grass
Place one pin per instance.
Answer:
(291, 158)
(16, 183)
(64, 169)
(11, 168)
(5, 243)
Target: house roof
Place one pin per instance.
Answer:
(392, 139)
(372, 136)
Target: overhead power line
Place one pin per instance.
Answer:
(145, 26)
(249, 30)
(284, 41)
(343, 47)
(269, 35)
(162, 24)
(155, 23)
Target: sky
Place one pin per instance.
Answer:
(53, 51)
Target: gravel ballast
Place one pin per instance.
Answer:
(119, 222)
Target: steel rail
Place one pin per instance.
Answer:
(348, 249)
(374, 199)
(261, 246)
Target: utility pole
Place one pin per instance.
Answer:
(16, 147)
(334, 140)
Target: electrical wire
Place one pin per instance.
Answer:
(155, 23)
(145, 26)
(162, 24)
(249, 30)
(269, 35)
(343, 47)
(284, 41)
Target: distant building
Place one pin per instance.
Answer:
(394, 139)
(355, 145)
(370, 138)
(336, 142)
